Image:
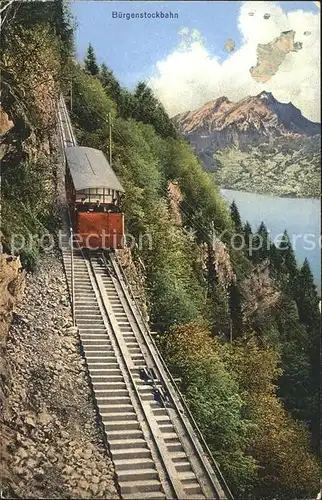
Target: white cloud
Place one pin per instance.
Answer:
(190, 75)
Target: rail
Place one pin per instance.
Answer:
(189, 425)
(174, 486)
(72, 279)
(68, 139)
(181, 397)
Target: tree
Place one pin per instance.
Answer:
(110, 83)
(30, 61)
(213, 396)
(91, 105)
(174, 289)
(234, 213)
(307, 300)
(279, 444)
(289, 266)
(264, 250)
(247, 230)
(307, 297)
(275, 259)
(127, 104)
(150, 110)
(220, 312)
(235, 303)
(294, 384)
(91, 62)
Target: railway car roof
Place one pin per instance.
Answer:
(90, 169)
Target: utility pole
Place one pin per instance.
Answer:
(213, 235)
(110, 138)
(71, 93)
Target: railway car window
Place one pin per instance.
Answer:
(83, 208)
(98, 207)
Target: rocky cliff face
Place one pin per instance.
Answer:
(253, 120)
(259, 292)
(5, 122)
(11, 288)
(175, 197)
(51, 445)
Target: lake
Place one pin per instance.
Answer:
(299, 216)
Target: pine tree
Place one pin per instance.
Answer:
(247, 231)
(110, 83)
(90, 61)
(263, 251)
(288, 265)
(294, 384)
(307, 300)
(234, 213)
(275, 259)
(150, 110)
(127, 104)
(235, 303)
(307, 296)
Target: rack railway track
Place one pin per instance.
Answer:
(153, 444)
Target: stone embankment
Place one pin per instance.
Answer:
(52, 445)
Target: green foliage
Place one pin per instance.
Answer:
(234, 214)
(288, 266)
(286, 324)
(308, 308)
(90, 62)
(37, 43)
(230, 389)
(110, 83)
(307, 297)
(261, 244)
(247, 230)
(213, 396)
(294, 384)
(126, 104)
(220, 317)
(279, 444)
(91, 105)
(27, 211)
(275, 258)
(55, 14)
(30, 67)
(175, 293)
(149, 110)
(235, 303)
(202, 206)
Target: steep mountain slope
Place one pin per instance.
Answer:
(255, 118)
(220, 128)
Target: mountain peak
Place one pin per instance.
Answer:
(221, 102)
(222, 99)
(266, 95)
(251, 120)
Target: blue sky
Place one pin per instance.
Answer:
(131, 48)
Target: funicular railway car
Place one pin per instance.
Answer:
(93, 195)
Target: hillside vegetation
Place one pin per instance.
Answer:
(36, 45)
(284, 167)
(244, 394)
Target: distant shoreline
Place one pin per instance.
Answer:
(274, 195)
